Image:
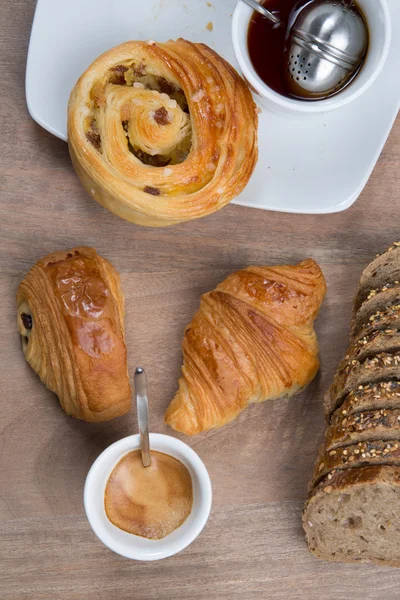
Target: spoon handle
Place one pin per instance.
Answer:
(263, 11)
(143, 414)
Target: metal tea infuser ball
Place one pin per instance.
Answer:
(326, 45)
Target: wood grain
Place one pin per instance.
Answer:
(260, 464)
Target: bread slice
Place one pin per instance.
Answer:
(377, 341)
(382, 319)
(384, 269)
(355, 516)
(381, 394)
(383, 366)
(381, 302)
(363, 454)
(379, 424)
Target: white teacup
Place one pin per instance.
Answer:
(127, 544)
(377, 16)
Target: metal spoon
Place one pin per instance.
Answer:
(263, 11)
(143, 414)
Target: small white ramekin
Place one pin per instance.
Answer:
(378, 19)
(127, 544)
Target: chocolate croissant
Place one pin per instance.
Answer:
(71, 319)
(251, 340)
(162, 133)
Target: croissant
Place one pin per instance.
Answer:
(251, 340)
(162, 133)
(71, 319)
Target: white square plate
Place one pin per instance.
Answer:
(315, 165)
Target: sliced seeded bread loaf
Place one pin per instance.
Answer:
(384, 269)
(355, 516)
(363, 454)
(376, 424)
(382, 394)
(380, 302)
(353, 511)
(383, 366)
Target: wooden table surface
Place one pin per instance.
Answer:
(253, 545)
